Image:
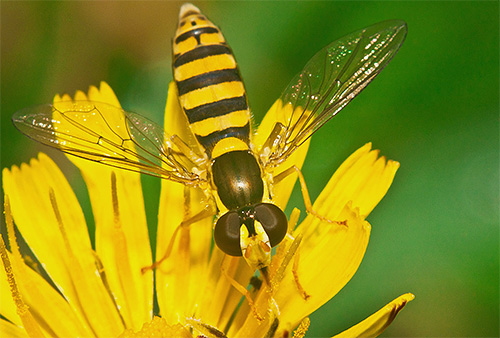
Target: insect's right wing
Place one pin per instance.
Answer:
(106, 134)
(328, 82)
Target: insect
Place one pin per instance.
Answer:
(220, 156)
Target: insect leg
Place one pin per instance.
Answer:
(288, 249)
(186, 150)
(295, 271)
(305, 193)
(209, 211)
(240, 288)
(273, 138)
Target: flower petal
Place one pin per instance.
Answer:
(28, 322)
(331, 254)
(7, 329)
(8, 308)
(221, 298)
(122, 240)
(181, 279)
(379, 321)
(324, 267)
(41, 198)
(28, 190)
(363, 179)
(43, 301)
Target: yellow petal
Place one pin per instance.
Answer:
(45, 303)
(326, 263)
(104, 94)
(220, 297)
(42, 199)
(7, 306)
(123, 246)
(7, 329)
(363, 179)
(13, 272)
(277, 113)
(29, 323)
(180, 280)
(330, 254)
(28, 189)
(379, 321)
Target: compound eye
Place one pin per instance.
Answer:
(273, 221)
(227, 233)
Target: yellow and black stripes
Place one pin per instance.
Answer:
(209, 85)
(196, 33)
(224, 106)
(207, 79)
(199, 53)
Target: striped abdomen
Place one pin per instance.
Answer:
(209, 84)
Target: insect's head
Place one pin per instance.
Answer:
(251, 232)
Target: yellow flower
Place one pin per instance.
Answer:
(102, 291)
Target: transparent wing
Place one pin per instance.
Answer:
(109, 135)
(329, 81)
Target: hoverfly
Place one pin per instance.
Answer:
(220, 157)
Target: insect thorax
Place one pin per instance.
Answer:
(237, 176)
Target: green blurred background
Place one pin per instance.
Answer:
(434, 109)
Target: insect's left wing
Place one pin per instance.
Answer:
(329, 81)
(106, 134)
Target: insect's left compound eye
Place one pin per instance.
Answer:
(273, 221)
(227, 233)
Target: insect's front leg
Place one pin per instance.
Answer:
(295, 272)
(305, 193)
(288, 249)
(209, 211)
(240, 288)
(200, 161)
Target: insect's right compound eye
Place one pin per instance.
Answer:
(227, 233)
(273, 221)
